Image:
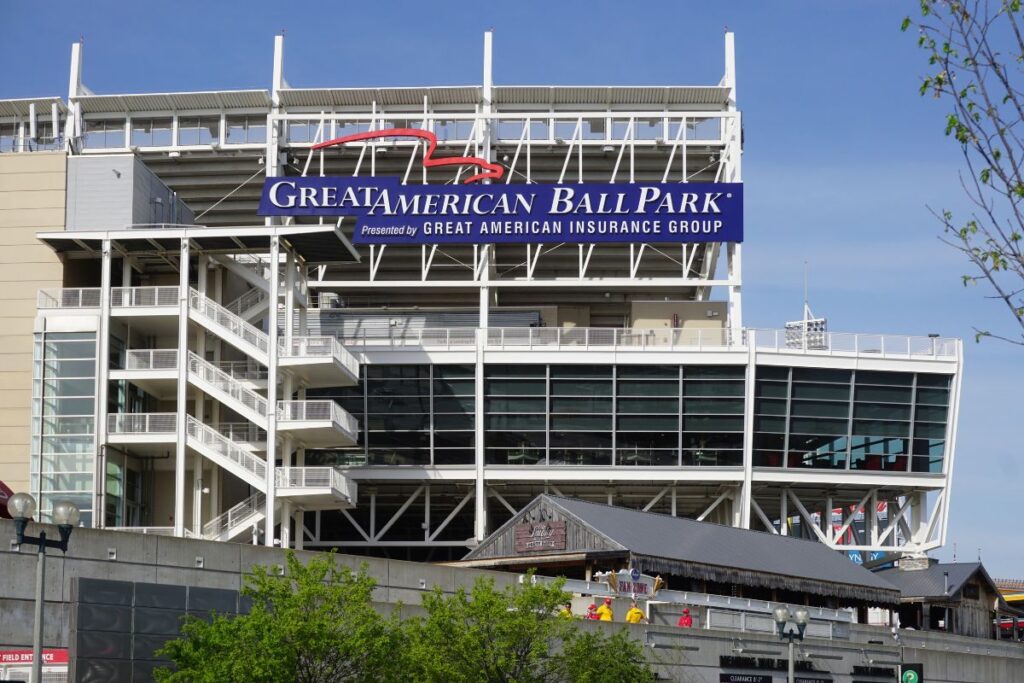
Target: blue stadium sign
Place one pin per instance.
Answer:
(388, 212)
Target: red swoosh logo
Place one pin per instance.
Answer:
(489, 170)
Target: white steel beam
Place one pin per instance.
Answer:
(451, 515)
(394, 518)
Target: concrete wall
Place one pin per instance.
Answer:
(691, 655)
(31, 201)
(692, 314)
(112, 191)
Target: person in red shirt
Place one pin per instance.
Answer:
(686, 621)
(592, 613)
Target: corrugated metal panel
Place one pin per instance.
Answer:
(20, 107)
(348, 323)
(365, 97)
(213, 100)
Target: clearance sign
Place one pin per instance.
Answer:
(388, 212)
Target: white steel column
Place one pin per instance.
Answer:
(480, 503)
(71, 125)
(179, 461)
(952, 418)
(746, 492)
(102, 388)
(271, 492)
(733, 174)
(202, 264)
(272, 161)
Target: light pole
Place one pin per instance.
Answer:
(21, 507)
(791, 627)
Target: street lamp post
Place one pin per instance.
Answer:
(22, 507)
(791, 627)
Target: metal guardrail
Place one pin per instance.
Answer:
(142, 423)
(316, 411)
(243, 370)
(313, 478)
(241, 432)
(210, 373)
(242, 512)
(750, 622)
(318, 347)
(151, 359)
(143, 297)
(226, 448)
(77, 297)
(668, 339)
(229, 321)
(246, 301)
(149, 530)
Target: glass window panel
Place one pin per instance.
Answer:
(713, 441)
(400, 404)
(512, 387)
(884, 394)
(406, 387)
(68, 444)
(817, 460)
(926, 464)
(454, 372)
(769, 441)
(516, 371)
(652, 371)
(514, 456)
(454, 456)
(162, 133)
(142, 133)
(398, 371)
(712, 388)
(820, 408)
(821, 375)
(936, 381)
(837, 392)
(768, 459)
(648, 422)
(234, 129)
(495, 422)
(581, 371)
(696, 423)
(929, 430)
(929, 446)
(580, 456)
(188, 131)
(772, 372)
(764, 406)
(714, 372)
(69, 406)
(399, 456)
(665, 439)
(70, 387)
(580, 387)
(68, 462)
(520, 405)
(712, 458)
(62, 350)
(399, 439)
(881, 428)
(713, 405)
(770, 424)
(807, 425)
(648, 388)
(930, 413)
(209, 130)
(256, 131)
(461, 387)
(455, 404)
(516, 439)
(65, 481)
(878, 445)
(881, 411)
(772, 389)
(68, 425)
(444, 421)
(581, 439)
(581, 404)
(649, 457)
(581, 422)
(669, 406)
(902, 379)
(938, 397)
(454, 439)
(395, 421)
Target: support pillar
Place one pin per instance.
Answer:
(180, 453)
(102, 389)
(272, 378)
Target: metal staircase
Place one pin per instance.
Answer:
(224, 452)
(239, 519)
(249, 305)
(228, 390)
(230, 327)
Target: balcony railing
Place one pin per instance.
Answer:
(313, 478)
(80, 297)
(253, 505)
(317, 411)
(318, 347)
(663, 339)
(221, 316)
(210, 373)
(142, 423)
(151, 359)
(143, 297)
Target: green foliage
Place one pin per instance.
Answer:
(313, 625)
(317, 624)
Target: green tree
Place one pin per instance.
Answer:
(514, 636)
(314, 625)
(975, 53)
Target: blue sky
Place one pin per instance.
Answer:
(842, 156)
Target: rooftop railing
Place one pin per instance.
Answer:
(151, 359)
(317, 411)
(143, 297)
(77, 297)
(142, 423)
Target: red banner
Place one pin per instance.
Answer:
(25, 657)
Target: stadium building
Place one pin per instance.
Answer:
(284, 316)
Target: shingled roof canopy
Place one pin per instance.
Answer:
(658, 543)
(931, 582)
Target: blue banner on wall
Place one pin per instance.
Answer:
(388, 212)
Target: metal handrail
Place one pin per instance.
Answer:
(241, 432)
(224, 318)
(138, 297)
(226, 448)
(74, 297)
(150, 530)
(243, 370)
(246, 301)
(320, 346)
(253, 505)
(303, 411)
(151, 359)
(142, 423)
(209, 372)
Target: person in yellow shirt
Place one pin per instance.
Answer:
(566, 611)
(604, 612)
(635, 615)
